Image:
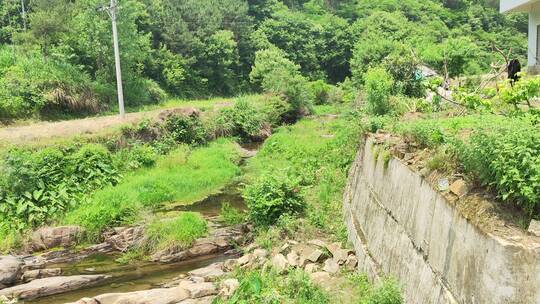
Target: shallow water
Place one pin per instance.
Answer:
(146, 275)
(125, 278)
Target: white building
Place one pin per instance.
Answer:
(533, 8)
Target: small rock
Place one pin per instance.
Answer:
(351, 262)
(90, 269)
(260, 253)
(311, 268)
(292, 242)
(534, 227)
(245, 260)
(50, 237)
(31, 275)
(203, 300)
(199, 290)
(230, 264)
(331, 266)
(197, 279)
(424, 172)
(251, 247)
(292, 258)
(87, 301)
(314, 255)
(49, 286)
(279, 262)
(459, 188)
(317, 243)
(10, 269)
(209, 273)
(228, 287)
(443, 184)
(284, 247)
(340, 255)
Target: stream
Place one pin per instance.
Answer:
(142, 275)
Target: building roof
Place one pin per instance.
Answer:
(510, 6)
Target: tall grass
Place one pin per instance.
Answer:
(179, 232)
(183, 176)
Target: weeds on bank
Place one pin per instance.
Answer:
(183, 176)
(267, 286)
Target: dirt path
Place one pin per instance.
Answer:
(69, 128)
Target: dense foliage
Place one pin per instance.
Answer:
(56, 57)
(272, 196)
(499, 152)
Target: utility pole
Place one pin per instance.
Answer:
(111, 10)
(23, 13)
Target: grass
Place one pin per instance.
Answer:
(178, 233)
(202, 104)
(267, 286)
(497, 152)
(183, 177)
(385, 292)
(319, 151)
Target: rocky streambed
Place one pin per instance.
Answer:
(64, 275)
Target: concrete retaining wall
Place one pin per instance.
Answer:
(401, 226)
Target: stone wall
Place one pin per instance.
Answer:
(401, 226)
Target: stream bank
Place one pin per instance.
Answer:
(100, 262)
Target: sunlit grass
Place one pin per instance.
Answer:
(184, 176)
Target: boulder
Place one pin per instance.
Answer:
(331, 266)
(199, 290)
(339, 255)
(49, 286)
(203, 248)
(311, 268)
(459, 188)
(230, 264)
(292, 258)
(279, 262)
(203, 300)
(245, 260)
(209, 273)
(35, 274)
(534, 227)
(50, 237)
(260, 254)
(228, 287)
(351, 262)
(154, 296)
(310, 255)
(125, 237)
(10, 270)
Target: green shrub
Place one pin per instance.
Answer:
(175, 233)
(320, 91)
(272, 196)
(230, 215)
(258, 286)
(93, 167)
(507, 158)
(39, 185)
(385, 292)
(186, 129)
(275, 110)
(242, 120)
(378, 86)
(278, 75)
(388, 292)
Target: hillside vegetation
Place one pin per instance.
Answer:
(57, 59)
